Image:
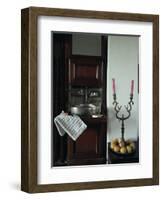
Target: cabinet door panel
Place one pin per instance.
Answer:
(85, 71)
(90, 147)
(88, 142)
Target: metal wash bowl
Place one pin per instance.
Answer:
(84, 109)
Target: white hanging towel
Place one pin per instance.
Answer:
(72, 125)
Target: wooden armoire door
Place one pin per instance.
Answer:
(90, 147)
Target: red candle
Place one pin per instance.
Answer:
(132, 87)
(113, 85)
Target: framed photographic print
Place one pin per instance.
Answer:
(90, 99)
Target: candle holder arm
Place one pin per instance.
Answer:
(122, 118)
(129, 107)
(117, 108)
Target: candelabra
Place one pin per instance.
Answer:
(122, 118)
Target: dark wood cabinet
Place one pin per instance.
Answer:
(72, 76)
(90, 147)
(85, 71)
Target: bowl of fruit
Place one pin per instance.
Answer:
(122, 147)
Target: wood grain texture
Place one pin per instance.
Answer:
(156, 100)
(29, 99)
(91, 14)
(92, 185)
(24, 100)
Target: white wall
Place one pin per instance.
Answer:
(123, 66)
(10, 99)
(86, 44)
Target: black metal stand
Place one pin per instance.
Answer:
(117, 109)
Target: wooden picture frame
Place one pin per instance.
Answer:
(29, 135)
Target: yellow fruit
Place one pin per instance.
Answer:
(128, 141)
(129, 149)
(112, 145)
(122, 144)
(115, 141)
(116, 148)
(119, 140)
(123, 150)
(132, 144)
